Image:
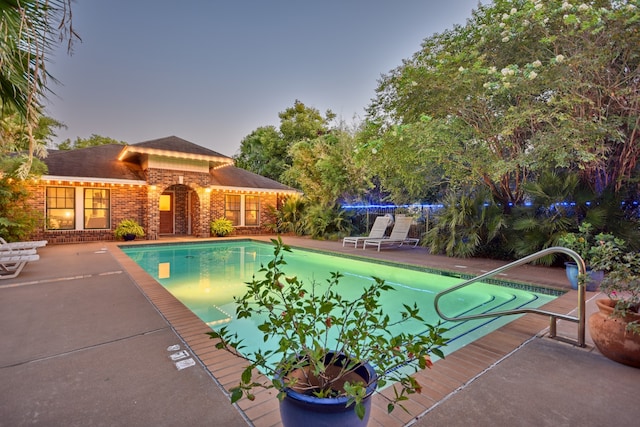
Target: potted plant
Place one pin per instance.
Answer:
(582, 242)
(221, 227)
(128, 229)
(615, 329)
(327, 353)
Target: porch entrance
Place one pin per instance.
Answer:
(179, 210)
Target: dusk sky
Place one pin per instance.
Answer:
(213, 71)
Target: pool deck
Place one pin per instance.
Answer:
(87, 338)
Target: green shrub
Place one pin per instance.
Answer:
(221, 227)
(18, 219)
(128, 227)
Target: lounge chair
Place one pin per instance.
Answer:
(4, 246)
(16, 252)
(11, 266)
(398, 235)
(377, 231)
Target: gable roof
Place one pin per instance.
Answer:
(175, 147)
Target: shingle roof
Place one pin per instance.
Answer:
(173, 143)
(102, 162)
(231, 176)
(94, 162)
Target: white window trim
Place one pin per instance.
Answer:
(78, 209)
(243, 211)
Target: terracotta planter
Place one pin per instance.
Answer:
(611, 338)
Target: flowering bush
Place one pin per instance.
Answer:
(584, 242)
(314, 325)
(622, 278)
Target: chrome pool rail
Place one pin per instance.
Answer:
(580, 319)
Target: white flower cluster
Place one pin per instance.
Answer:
(507, 71)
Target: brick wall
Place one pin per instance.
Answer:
(127, 202)
(141, 204)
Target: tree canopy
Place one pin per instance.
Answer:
(525, 86)
(266, 150)
(29, 29)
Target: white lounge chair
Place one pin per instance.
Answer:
(11, 266)
(5, 246)
(377, 231)
(398, 235)
(16, 252)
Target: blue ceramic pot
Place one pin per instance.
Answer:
(595, 276)
(298, 409)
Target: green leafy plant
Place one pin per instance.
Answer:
(128, 227)
(18, 219)
(580, 242)
(326, 221)
(289, 217)
(464, 225)
(221, 227)
(311, 326)
(621, 282)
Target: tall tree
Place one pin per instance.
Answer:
(325, 170)
(525, 86)
(300, 122)
(266, 150)
(15, 138)
(29, 29)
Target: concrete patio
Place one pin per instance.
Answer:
(85, 344)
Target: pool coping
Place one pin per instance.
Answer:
(447, 376)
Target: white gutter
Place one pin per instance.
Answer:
(92, 180)
(252, 189)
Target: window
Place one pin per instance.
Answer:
(96, 208)
(232, 206)
(165, 202)
(251, 210)
(61, 214)
(242, 210)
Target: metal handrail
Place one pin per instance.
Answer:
(580, 320)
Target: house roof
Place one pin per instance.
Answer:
(175, 147)
(231, 177)
(92, 162)
(118, 163)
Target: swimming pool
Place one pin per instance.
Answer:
(205, 277)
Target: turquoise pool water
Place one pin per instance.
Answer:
(206, 276)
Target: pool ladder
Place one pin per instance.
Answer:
(580, 319)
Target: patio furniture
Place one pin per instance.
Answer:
(5, 246)
(11, 266)
(377, 231)
(16, 252)
(398, 235)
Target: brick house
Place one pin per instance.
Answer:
(169, 185)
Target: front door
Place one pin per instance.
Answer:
(166, 213)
